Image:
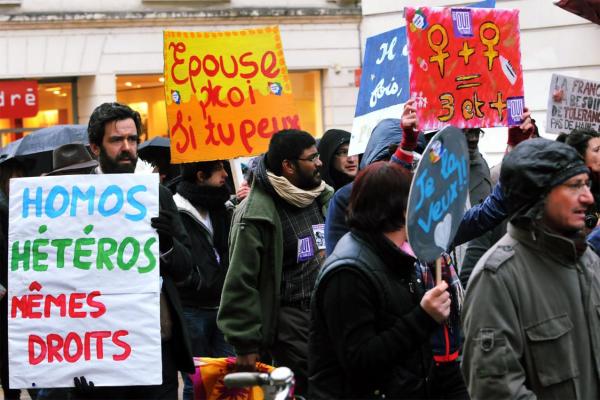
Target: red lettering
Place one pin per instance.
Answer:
(33, 341)
(58, 301)
(251, 64)
(215, 65)
(35, 301)
(268, 70)
(291, 122)
(232, 100)
(75, 303)
(100, 307)
(211, 132)
(73, 338)
(178, 47)
(235, 67)
(124, 345)
(263, 124)
(247, 130)
(228, 140)
(55, 345)
(194, 71)
(99, 336)
(179, 127)
(19, 304)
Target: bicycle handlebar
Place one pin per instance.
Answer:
(246, 379)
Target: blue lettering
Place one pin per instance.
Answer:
(426, 188)
(37, 202)
(438, 208)
(88, 196)
(56, 191)
(110, 190)
(135, 203)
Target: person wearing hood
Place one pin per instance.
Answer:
(542, 339)
(338, 167)
(275, 253)
(385, 136)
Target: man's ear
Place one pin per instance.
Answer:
(288, 167)
(200, 177)
(95, 149)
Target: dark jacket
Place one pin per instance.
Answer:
(369, 337)
(203, 286)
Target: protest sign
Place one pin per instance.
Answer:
(84, 283)
(438, 194)
(383, 85)
(227, 93)
(465, 67)
(572, 103)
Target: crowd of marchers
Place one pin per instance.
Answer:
(308, 265)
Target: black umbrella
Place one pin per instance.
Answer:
(35, 149)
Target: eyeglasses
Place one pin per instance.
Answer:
(578, 186)
(312, 158)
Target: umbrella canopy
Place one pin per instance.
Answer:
(588, 9)
(155, 149)
(35, 149)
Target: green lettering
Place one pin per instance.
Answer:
(134, 256)
(104, 253)
(39, 255)
(18, 257)
(61, 245)
(81, 252)
(148, 253)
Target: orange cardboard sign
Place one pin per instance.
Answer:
(227, 93)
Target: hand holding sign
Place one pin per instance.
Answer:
(436, 302)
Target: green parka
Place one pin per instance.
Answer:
(532, 320)
(250, 299)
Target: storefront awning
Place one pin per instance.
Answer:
(588, 9)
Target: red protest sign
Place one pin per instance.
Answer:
(465, 66)
(18, 99)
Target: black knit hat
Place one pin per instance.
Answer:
(534, 167)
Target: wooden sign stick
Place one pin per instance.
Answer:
(438, 270)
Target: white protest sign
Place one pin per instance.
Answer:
(572, 103)
(84, 286)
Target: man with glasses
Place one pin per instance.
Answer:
(276, 252)
(530, 315)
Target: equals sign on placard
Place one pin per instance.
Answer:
(464, 81)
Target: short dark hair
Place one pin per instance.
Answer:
(379, 198)
(108, 112)
(579, 138)
(189, 170)
(287, 144)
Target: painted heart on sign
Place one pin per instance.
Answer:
(441, 234)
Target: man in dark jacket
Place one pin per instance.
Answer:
(530, 315)
(338, 167)
(275, 256)
(114, 130)
(200, 198)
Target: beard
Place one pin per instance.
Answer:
(112, 166)
(309, 182)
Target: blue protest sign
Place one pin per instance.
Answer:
(383, 85)
(438, 194)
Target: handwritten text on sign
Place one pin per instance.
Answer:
(227, 93)
(383, 85)
(577, 105)
(83, 264)
(438, 194)
(465, 66)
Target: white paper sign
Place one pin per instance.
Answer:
(572, 103)
(84, 287)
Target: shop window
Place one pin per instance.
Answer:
(146, 95)
(306, 86)
(56, 107)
